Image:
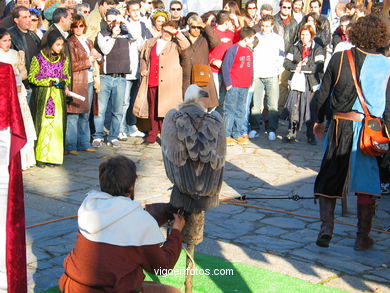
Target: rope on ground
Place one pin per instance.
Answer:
(335, 276)
(232, 202)
(52, 221)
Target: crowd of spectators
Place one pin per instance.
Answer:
(135, 59)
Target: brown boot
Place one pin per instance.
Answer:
(365, 214)
(327, 206)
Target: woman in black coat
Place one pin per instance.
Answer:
(307, 57)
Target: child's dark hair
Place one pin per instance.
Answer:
(3, 32)
(116, 175)
(52, 37)
(246, 32)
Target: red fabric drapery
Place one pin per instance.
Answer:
(10, 116)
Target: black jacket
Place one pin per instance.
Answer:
(19, 43)
(289, 33)
(315, 66)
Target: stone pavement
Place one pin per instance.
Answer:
(268, 239)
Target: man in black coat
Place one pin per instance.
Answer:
(23, 39)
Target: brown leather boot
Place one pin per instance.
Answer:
(327, 206)
(365, 214)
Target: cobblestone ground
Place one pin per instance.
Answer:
(266, 238)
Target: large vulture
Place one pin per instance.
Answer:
(193, 144)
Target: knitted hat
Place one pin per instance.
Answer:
(160, 12)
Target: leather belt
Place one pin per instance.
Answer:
(355, 116)
(115, 75)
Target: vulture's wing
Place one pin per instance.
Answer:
(194, 147)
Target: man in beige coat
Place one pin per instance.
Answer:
(161, 84)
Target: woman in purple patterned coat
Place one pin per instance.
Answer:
(49, 71)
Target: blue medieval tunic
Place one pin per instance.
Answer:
(344, 167)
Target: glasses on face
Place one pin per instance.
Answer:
(79, 26)
(252, 8)
(85, 11)
(34, 19)
(286, 7)
(196, 27)
(176, 9)
(112, 11)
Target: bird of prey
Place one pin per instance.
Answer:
(193, 144)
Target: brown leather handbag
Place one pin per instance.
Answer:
(374, 138)
(200, 74)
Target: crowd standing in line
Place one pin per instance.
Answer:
(132, 61)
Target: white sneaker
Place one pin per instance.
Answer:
(114, 143)
(271, 135)
(253, 134)
(97, 143)
(122, 136)
(137, 133)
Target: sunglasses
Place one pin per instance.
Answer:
(197, 27)
(112, 11)
(34, 19)
(286, 7)
(79, 26)
(85, 11)
(252, 8)
(176, 9)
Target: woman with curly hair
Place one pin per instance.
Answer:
(344, 167)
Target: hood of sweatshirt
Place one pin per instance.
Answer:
(117, 220)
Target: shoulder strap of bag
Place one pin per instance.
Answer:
(340, 65)
(358, 89)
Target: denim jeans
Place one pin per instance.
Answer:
(248, 110)
(78, 134)
(265, 88)
(221, 91)
(111, 89)
(128, 118)
(234, 111)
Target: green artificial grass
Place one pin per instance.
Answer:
(240, 278)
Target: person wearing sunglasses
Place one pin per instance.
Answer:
(84, 56)
(287, 27)
(83, 9)
(202, 38)
(176, 8)
(36, 22)
(251, 14)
